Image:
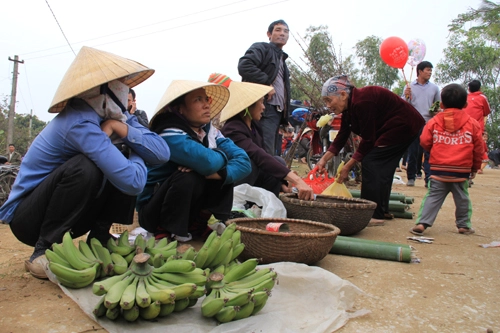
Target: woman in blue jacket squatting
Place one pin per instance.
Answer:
(203, 165)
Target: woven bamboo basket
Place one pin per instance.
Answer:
(350, 215)
(307, 241)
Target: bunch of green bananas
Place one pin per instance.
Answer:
(78, 267)
(148, 292)
(220, 250)
(240, 292)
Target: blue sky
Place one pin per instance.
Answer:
(191, 39)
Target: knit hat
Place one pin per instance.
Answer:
(92, 68)
(334, 85)
(178, 88)
(243, 94)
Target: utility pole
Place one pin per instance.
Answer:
(12, 109)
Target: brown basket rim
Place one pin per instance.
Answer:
(335, 231)
(349, 202)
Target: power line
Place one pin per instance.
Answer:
(141, 27)
(172, 28)
(60, 27)
(28, 82)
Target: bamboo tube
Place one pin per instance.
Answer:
(356, 248)
(370, 241)
(396, 206)
(402, 215)
(394, 195)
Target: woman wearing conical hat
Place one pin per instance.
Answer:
(203, 165)
(73, 177)
(241, 116)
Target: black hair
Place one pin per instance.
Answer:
(423, 65)
(11, 144)
(474, 85)
(271, 26)
(131, 91)
(454, 96)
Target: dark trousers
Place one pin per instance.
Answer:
(377, 169)
(414, 164)
(73, 197)
(270, 123)
(178, 201)
(263, 180)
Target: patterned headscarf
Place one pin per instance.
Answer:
(333, 86)
(103, 104)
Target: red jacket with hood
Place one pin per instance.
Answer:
(455, 143)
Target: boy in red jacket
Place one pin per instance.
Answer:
(455, 144)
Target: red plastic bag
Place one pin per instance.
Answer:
(318, 182)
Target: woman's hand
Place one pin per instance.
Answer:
(305, 192)
(322, 162)
(184, 169)
(344, 173)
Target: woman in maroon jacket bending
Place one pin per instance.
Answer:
(387, 125)
(241, 116)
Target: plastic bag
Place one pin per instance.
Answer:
(337, 189)
(271, 205)
(318, 184)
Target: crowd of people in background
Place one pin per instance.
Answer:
(100, 159)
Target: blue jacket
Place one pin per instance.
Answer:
(76, 130)
(215, 154)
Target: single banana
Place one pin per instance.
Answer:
(113, 313)
(210, 238)
(181, 304)
(231, 265)
(192, 301)
(127, 301)
(200, 292)
(140, 242)
(219, 269)
(213, 249)
(164, 252)
(259, 306)
(188, 254)
(162, 295)
(222, 253)
(73, 284)
(176, 266)
(237, 250)
(124, 242)
(265, 285)
(58, 249)
(158, 260)
(166, 309)
(73, 275)
(179, 278)
(120, 265)
(103, 255)
(114, 294)
(102, 287)
(131, 314)
(183, 290)
(255, 274)
(249, 282)
(150, 242)
(236, 237)
(151, 312)
(73, 255)
(161, 243)
(235, 299)
(245, 311)
(121, 250)
(260, 297)
(211, 304)
(129, 257)
(54, 257)
(86, 251)
(201, 257)
(229, 255)
(226, 314)
(99, 308)
(228, 232)
(142, 298)
(241, 270)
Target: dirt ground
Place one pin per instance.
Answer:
(455, 287)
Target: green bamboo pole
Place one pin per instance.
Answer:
(396, 206)
(402, 215)
(394, 195)
(409, 200)
(370, 241)
(353, 247)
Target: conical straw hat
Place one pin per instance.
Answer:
(90, 69)
(219, 94)
(242, 94)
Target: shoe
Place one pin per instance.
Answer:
(411, 182)
(466, 231)
(182, 239)
(416, 230)
(37, 267)
(376, 223)
(419, 176)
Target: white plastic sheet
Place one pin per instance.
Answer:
(307, 299)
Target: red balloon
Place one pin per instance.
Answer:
(394, 52)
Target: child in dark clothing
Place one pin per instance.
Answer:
(455, 144)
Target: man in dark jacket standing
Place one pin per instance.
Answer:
(264, 63)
